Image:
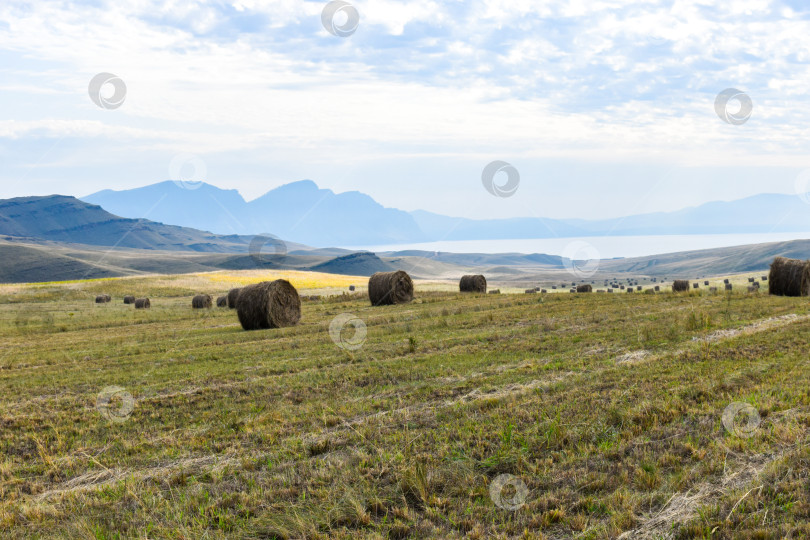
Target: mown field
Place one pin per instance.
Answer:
(456, 416)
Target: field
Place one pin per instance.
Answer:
(509, 416)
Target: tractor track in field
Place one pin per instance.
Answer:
(680, 505)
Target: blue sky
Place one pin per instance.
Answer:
(605, 107)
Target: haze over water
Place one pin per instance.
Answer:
(609, 247)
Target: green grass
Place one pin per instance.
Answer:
(283, 434)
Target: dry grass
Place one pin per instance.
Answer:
(607, 407)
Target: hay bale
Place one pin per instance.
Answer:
(103, 298)
(630, 289)
(764, 278)
(657, 288)
(729, 286)
(610, 290)
(639, 287)
(751, 280)
(554, 287)
(351, 287)
(387, 288)
(584, 288)
(706, 283)
(725, 281)
(752, 289)
(202, 301)
(543, 291)
(233, 294)
(572, 290)
(269, 304)
(222, 301)
(680, 285)
(789, 277)
(129, 299)
(497, 291)
(473, 283)
(695, 285)
(649, 291)
(600, 291)
(529, 291)
(142, 303)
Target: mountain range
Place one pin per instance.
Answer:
(302, 212)
(59, 237)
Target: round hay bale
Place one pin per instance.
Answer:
(610, 290)
(495, 291)
(269, 304)
(103, 298)
(233, 294)
(725, 281)
(352, 287)
(142, 303)
(584, 288)
(473, 283)
(695, 285)
(751, 280)
(705, 283)
(202, 301)
(129, 299)
(222, 301)
(388, 288)
(529, 291)
(680, 285)
(657, 288)
(789, 277)
(729, 286)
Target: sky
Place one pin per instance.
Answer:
(604, 108)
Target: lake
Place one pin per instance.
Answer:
(608, 247)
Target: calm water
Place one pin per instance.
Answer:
(608, 247)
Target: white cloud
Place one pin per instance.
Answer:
(591, 80)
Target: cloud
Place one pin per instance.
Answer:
(599, 81)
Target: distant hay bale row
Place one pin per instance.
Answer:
(388, 288)
(129, 299)
(789, 277)
(233, 294)
(680, 285)
(269, 304)
(473, 283)
(142, 303)
(202, 301)
(222, 301)
(103, 298)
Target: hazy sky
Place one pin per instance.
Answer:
(604, 107)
